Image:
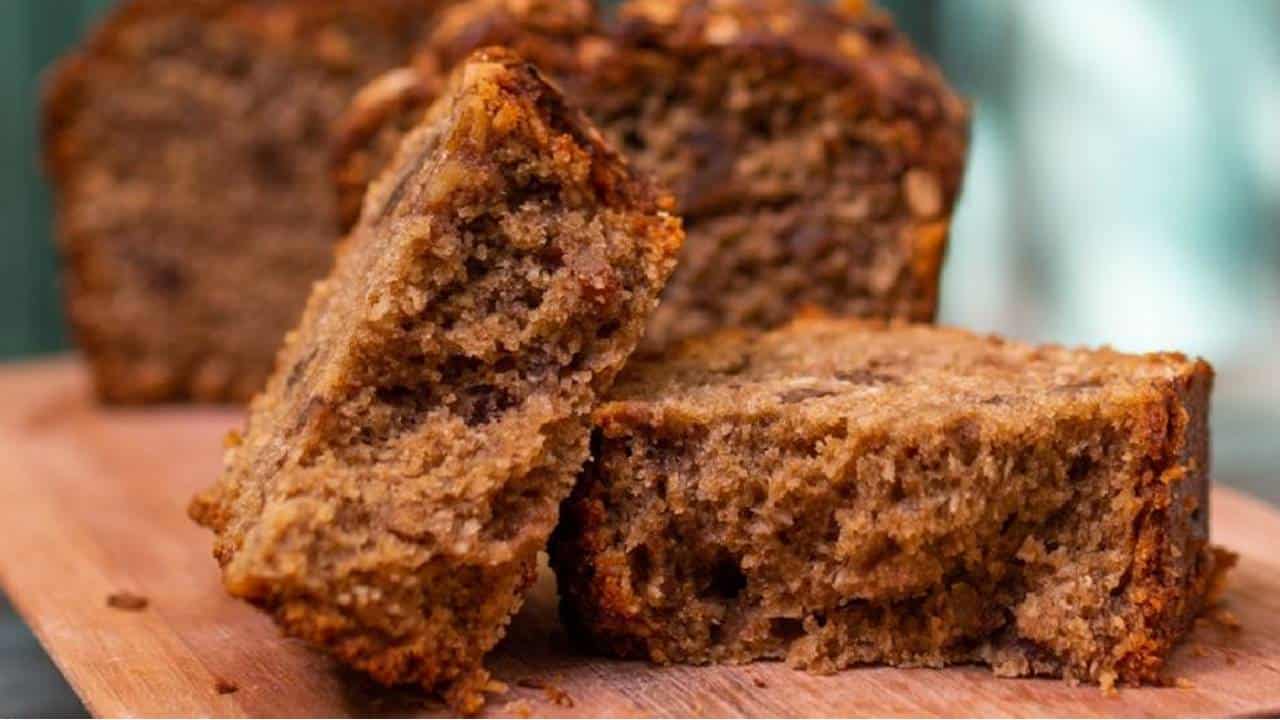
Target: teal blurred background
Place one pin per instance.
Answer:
(32, 33)
(1123, 188)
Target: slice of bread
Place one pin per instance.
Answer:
(840, 492)
(406, 463)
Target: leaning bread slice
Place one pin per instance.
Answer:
(406, 463)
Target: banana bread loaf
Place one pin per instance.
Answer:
(407, 461)
(839, 492)
(188, 142)
(815, 155)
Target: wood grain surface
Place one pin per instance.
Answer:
(92, 502)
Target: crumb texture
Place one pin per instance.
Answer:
(840, 492)
(188, 141)
(815, 156)
(406, 463)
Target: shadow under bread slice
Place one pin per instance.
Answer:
(406, 463)
(842, 492)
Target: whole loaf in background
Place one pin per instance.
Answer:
(188, 145)
(815, 155)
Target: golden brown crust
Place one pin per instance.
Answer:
(406, 463)
(145, 339)
(839, 492)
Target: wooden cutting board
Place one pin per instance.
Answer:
(92, 502)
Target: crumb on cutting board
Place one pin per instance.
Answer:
(1227, 619)
(557, 696)
(518, 708)
(127, 601)
(1107, 683)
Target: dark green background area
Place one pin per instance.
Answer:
(32, 34)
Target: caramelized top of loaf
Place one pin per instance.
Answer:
(852, 38)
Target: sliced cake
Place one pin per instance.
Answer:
(839, 492)
(815, 156)
(188, 144)
(406, 463)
